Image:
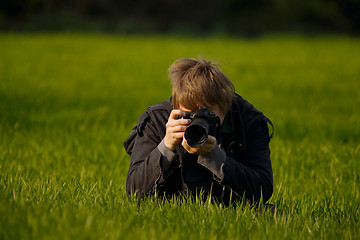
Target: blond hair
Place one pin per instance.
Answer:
(197, 83)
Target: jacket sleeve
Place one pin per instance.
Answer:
(145, 170)
(252, 176)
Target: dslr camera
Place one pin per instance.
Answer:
(203, 123)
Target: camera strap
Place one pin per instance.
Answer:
(238, 127)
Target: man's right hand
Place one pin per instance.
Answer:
(175, 129)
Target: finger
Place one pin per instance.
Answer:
(176, 112)
(178, 128)
(177, 122)
(184, 144)
(180, 122)
(190, 149)
(187, 147)
(211, 139)
(185, 122)
(178, 135)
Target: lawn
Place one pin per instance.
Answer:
(68, 101)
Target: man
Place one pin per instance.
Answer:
(233, 164)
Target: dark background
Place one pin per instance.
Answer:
(240, 17)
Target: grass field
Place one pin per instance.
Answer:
(67, 102)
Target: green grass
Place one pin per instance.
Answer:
(67, 102)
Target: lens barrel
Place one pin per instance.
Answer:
(196, 133)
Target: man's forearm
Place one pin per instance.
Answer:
(214, 161)
(144, 174)
(167, 157)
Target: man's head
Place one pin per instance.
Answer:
(200, 83)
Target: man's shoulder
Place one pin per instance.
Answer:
(245, 107)
(158, 112)
(250, 115)
(162, 106)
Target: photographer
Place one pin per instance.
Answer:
(232, 160)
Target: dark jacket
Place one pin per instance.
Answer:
(239, 166)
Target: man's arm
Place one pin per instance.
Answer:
(152, 156)
(253, 177)
(144, 167)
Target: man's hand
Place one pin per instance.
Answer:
(175, 129)
(204, 149)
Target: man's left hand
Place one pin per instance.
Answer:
(204, 149)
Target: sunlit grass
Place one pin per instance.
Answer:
(67, 102)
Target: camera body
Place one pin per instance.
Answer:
(203, 123)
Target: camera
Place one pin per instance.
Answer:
(203, 123)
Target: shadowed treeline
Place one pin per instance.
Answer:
(245, 17)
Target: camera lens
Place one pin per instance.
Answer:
(196, 133)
